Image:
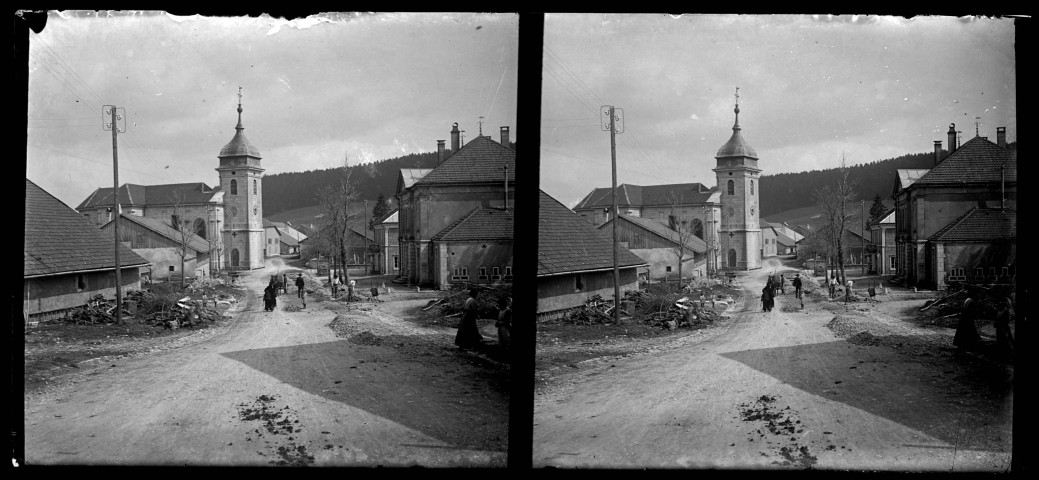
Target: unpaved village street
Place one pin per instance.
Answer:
(281, 388)
(776, 390)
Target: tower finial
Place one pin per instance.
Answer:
(737, 110)
(239, 108)
(481, 125)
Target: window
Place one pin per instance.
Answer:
(892, 262)
(508, 271)
(172, 268)
(752, 187)
(992, 271)
(255, 211)
(667, 269)
(979, 273)
(483, 273)
(254, 187)
(698, 228)
(175, 222)
(234, 187)
(732, 188)
(396, 262)
(461, 273)
(1006, 272)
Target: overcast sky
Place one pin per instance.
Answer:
(810, 89)
(314, 91)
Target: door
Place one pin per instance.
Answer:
(732, 258)
(234, 258)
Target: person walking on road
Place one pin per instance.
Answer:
(1004, 338)
(797, 288)
(832, 283)
(468, 335)
(847, 291)
(967, 336)
(782, 284)
(270, 297)
(766, 298)
(335, 286)
(504, 323)
(299, 285)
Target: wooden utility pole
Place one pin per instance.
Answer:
(114, 125)
(611, 122)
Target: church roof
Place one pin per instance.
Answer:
(736, 146)
(58, 240)
(167, 231)
(647, 195)
(482, 160)
(141, 195)
(567, 243)
(239, 145)
(693, 243)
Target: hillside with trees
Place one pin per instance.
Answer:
(790, 191)
(293, 190)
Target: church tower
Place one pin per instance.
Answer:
(738, 174)
(240, 175)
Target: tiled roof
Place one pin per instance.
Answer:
(479, 161)
(59, 240)
(976, 161)
(131, 194)
(568, 243)
(489, 224)
(694, 243)
(647, 195)
(736, 146)
(785, 240)
(980, 225)
(391, 217)
(195, 242)
(239, 145)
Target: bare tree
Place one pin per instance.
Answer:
(337, 200)
(833, 201)
(683, 232)
(183, 236)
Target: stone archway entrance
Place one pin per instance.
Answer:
(234, 258)
(732, 258)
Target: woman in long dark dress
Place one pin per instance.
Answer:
(268, 297)
(967, 336)
(766, 298)
(468, 333)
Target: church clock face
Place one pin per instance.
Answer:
(234, 211)
(731, 211)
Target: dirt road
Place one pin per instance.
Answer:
(280, 388)
(774, 390)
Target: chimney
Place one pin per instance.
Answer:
(454, 138)
(937, 151)
(505, 136)
(440, 151)
(1001, 136)
(952, 138)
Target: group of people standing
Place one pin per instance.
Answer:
(967, 336)
(776, 285)
(270, 293)
(469, 336)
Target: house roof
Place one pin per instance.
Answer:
(167, 194)
(195, 242)
(657, 228)
(391, 217)
(481, 160)
(491, 224)
(58, 240)
(887, 218)
(980, 225)
(239, 145)
(908, 176)
(736, 146)
(408, 177)
(568, 243)
(977, 161)
(647, 195)
(785, 240)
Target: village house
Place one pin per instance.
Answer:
(955, 221)
(659, 245)
(162, 245)
(575, 261)
(387, 260)
(317, 245)
(725, 216)
(229, 214)
(476, 175)
(769, 244)
(280, 239)
(68, 260)
(476, 249)
(881, 253)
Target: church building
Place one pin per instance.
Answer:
(230, 214)
(725, 217)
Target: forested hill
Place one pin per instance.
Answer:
(289, 191)
(789, 191)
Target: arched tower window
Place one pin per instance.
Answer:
(254, 187)
(752, 187)
(199, 227)
(698, 228)
(731, 189)
(234, 186)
